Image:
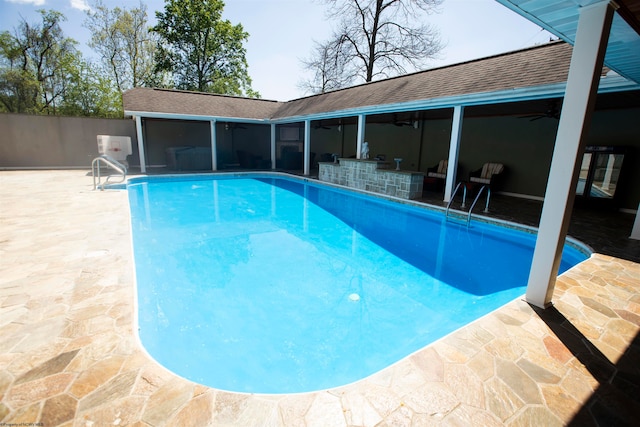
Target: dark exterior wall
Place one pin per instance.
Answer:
(436, 135)
(29, 141)
(330, 141)
(161, 134)
(325, 142)
(253, 139)
(525, 148)
(394, 142)
(621, 128)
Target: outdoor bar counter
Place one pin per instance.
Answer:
(371, 175)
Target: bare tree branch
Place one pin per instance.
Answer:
(373, 39)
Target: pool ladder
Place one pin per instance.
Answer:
(464, 198)
(109, 162)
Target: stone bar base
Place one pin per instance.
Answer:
(369, 175)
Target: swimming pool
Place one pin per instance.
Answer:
(266, 284)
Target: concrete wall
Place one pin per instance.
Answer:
(29, 141)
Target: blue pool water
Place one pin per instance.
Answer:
(266, 284)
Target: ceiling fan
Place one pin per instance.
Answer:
(402, 122)
(319, 125)
(231, 125)
(552, 112)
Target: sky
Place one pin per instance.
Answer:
(282, 32)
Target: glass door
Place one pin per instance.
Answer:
(600, 172)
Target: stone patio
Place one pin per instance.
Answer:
(69, 357)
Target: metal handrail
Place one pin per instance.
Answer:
(451, 200)
(474, 204)
(110, 162)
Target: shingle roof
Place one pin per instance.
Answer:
(197, 104)
(540, 65)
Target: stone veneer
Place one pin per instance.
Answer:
(369, 175)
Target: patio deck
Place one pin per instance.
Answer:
(69, 357)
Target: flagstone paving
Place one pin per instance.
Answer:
(69, 356)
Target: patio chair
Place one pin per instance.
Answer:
(487, 174)
(439, 170)
(436, 176)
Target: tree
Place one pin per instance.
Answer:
(201, 51)
(18, 86)
(374, 39)
(89, 92)
(327, 64)
(33, 60)
(122, 39)
(41, 72)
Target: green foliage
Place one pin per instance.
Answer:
(18, 87)
(200, 50)
(89, 92)
(42, 72)
(126, 46)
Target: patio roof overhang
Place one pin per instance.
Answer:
(561, 19)
(608, 84)
(193, 117)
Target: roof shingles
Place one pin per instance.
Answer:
(537, 66)
(197, 104)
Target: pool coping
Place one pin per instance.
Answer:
(69, 356)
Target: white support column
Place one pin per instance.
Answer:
(606, 182)
(360, 137)
(273, 145)
(143, 163)
(307, 145)
(635, 232)
(582, 84)
(214, 145)
(454, 149)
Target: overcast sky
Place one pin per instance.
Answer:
(281, 32)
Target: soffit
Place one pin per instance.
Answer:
(560, 17)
